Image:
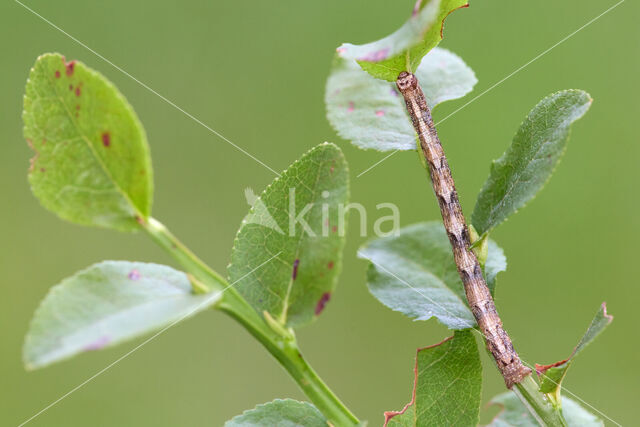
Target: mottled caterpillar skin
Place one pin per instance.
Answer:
(478, 295)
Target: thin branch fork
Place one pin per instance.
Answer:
(478, 295)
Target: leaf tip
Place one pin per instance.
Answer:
(465, 5)
(69, 67)
(606, 315)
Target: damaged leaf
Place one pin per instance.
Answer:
(447, 387)
(551, 376)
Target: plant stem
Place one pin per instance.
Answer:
(187, 259)
(283, 347)
(538, 404)
(286, 351)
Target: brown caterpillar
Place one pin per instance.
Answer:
(478, 295)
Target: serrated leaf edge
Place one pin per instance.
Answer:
(569, 130)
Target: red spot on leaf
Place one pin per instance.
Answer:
(322, 302)
(416, 8)
(70, 87)
(77, 106)
(42, 170)
(379, 113)
(134, 275)
(98, 344)
(334, 228)
(106, 139)
(375, 56)
(330, 265)
(57, 74)
(70, 66)
(294, 274)
(78, 91)
(350, 108)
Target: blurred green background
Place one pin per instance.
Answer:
(255, 71)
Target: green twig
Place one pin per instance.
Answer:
(538, 404)
(282, 346)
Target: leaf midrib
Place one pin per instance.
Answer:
(438, 279)
(285, 302)
(93, 151)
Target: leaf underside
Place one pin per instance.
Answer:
(281, 413)
(295, 287)
(526, 166)
(371, 113)
(415, 273)
(447, 389)
(404, 49)
(92, 164)
(106, 304)
(515, 414)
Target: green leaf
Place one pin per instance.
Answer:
(525, 167)
(281, 413)
(371, 113)
(551, 376)
(448, 385)
(299, 219)
(404, 49)
(415, 273)
(515, 414)
(106, 304)
(92, 164)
